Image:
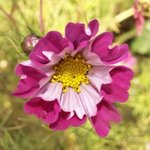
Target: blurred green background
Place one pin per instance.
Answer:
(19, 131)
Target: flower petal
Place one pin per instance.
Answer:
(109, 55)
(89, 98)
(63, 122)
(74, 31)
(29, 71)
(53, 42)
(50, 92)
(99, 75)
(117, 90)
(105, 115)
(101, 43)
(71, 102)
(47, 111)
(26, 88)
(92, 58)
(31, 80)
(93, 26)
(116, 54)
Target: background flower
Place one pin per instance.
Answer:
(139, 17)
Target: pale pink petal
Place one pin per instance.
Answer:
(92, 58)
(99, 75)
(65, 51)
(71, 102)
(90, 98)
(54, 58)
(51, 92)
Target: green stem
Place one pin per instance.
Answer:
(41, 17)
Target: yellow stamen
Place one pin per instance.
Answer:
(71, 72)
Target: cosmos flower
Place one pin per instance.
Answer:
(139, 17)
(73, 78)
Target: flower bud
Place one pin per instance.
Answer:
(29, 43)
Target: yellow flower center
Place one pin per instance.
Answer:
(71, 72)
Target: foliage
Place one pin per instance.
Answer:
(139, 45)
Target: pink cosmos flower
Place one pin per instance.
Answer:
(139, 17)
(73, 78)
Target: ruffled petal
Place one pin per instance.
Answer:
(116, 54)
(74, 31)
(53, 42)
(113, 55)
(29, 71)
(31, 80)
(105, 115)
(63, 122)
(93, 26)
(101, 43)
(47, 111)
(77, 33)
(117, 90)
(26, 88)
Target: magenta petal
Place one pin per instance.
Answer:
(56, 42)
(82, 45)
(117, 90)
(26, 88)
(28, 85)
(109, 55)
(101, 43)
(74, 31)
(94, 26)
(116, 54)
(105, 115)
(63, 122)
(30, 72)
(48, 111)
(113, 93)
(53, 42)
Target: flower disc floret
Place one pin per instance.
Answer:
(71, 72)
